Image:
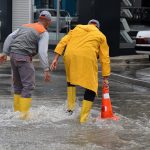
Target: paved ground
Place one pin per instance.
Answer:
(52, 129)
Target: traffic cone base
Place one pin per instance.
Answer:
(114, 117)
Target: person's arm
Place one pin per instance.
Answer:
(63, 43)
(43, 50)
(6, 46)
(8, 41)
(104, 60)
(60, 49)
(54, 62)
(43, 54)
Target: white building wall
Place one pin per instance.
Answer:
(22, 12)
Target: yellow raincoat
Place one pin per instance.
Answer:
(84, 44)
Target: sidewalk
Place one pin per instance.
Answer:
(132, 69)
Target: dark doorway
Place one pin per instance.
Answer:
(5, 18)
(145, 3)
(108, 14)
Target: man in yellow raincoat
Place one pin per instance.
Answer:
(82, 47)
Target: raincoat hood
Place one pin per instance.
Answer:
(88, 28)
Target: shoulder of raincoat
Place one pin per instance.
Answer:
(62, 44)
(104, 55)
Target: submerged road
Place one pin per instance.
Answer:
(50, 128)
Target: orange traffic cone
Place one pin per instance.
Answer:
(106, 109)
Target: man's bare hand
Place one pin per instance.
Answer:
(3, 58)
(105, 82)
(54, 65)
(47, 76)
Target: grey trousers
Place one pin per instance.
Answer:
(23, 74)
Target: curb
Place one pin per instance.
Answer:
(130, 59)
(115, 61)
(129, 80)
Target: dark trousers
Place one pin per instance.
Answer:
(23, 74)
(88, 94)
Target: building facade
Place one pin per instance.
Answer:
(69, 5)
(115, 18)
(108, 16)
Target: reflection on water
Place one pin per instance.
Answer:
(50, 128)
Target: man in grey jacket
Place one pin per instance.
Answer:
(21, 46)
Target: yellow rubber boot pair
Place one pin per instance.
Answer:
(85, 110)
(71, 98)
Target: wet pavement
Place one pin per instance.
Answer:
(50, 128)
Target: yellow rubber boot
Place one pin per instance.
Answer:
(71, 97)
(85, 110)
(17, 102)
(25, 104)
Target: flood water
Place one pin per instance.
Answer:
(50, 127)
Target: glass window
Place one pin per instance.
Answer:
(68, 16)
